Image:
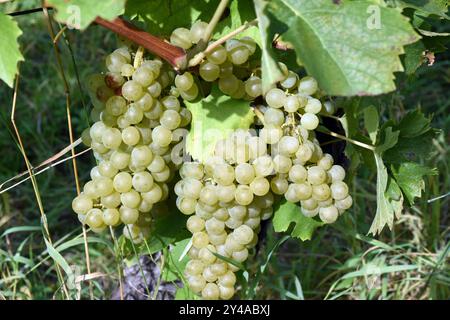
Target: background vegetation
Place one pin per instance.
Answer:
(340, 262)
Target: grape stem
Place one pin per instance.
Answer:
(260, 115)
(172, 54)
(138, 57)
(337, 135)
(214, 20)
(200, 56)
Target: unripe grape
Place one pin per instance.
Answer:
(128, 215)
(130, 136)
(130, 199)
(290, 81)
(181, 37)
(200, 240)
(134, 114)
(141, 156)
(218, 55)
(154, 195)
(239, 55)
(111, 217)
(253, 87)
(162, 136)
(279, 185)
(321, 192)
(144, 76)
(328, 214)
(309, 121)
(94, 218)
(122, 182)
(104, 186)
(307, 86)
(195, 224)
(210, 292)
(82, 204)
(127, 70)
(132, 90)
(313, 106)
(111, 201)
(228, 84)
(155, 89)
(190, 94)
(275, 98)
(339, 190)
(209, 71)
(197, 31)
(142, 181)
(184, 81)
(208, 195)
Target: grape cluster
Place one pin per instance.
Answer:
(303, 172)
(226, 198)
(228, 65)
(136, 126)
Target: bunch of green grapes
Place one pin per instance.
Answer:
(303, 172)
(229, 65)
(136, 126)
(226, 198)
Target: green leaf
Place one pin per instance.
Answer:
(286, 213)
(59, 259)
(414, 124)
(389, 199)
(371, 122)
(80, 13)
(271, 72)
(409, 177)
(10, 54)
(175, 266)
(213, 119)
(350, 47)
(426, 7)
(161, 17)
(414, 57)
(241, 11)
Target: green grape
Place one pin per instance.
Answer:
(208, 195)
(134, 114)
(339, 190)
(154, 195)
(197, 31)
(274, 117)
(209, 71)
(253, 87)
(155, 89)
(155, 112)
(271, 134)
(194, 267)
(104, 186)
(321, 192)
(119, 159)
(94, 218)
(200, 240)
(243, 195)
(181, 37)
(111, 201)
(130, 199)
(184, 81)
(309, 121)
(170, 119)
(111, 217)
(190, 94)
(144, 76)
(313, 106)
(328, 214)
(263, 166)
(290, 81)
(171, 103)
(130, 136)
(249, 43)
(157, 165)
(326, 162)
(162, 136)
(224, 174)
(126, 70)
(226, 69)
(275, 98)
(260, 186)
(239, 55)
(282, 164)
(132, 90)
(142, 181)
(116, 105)
(211, 292)
(228, 84)
(122, 182)
(344, 204)
(307, 86)
(186, 205)
(112, 138)
(82, 204)
(298, 174)
(141, 156)
(316, 175)
(128, 215)
(244, 173)
(195, 224)
(291, 104)
(218, 55)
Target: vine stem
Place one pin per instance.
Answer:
(172, 54)
(355, 142)
(200, 56)
(214, 20)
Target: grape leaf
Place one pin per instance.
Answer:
(213, 119)
(174, 265)
(409, 176)
(10, 54)
(427, 7)
(414, 57)
(286, 213)
(271, 72)
(80, 13)
(241, 11)
(413, 124)
(161, 17)
(343, 44)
